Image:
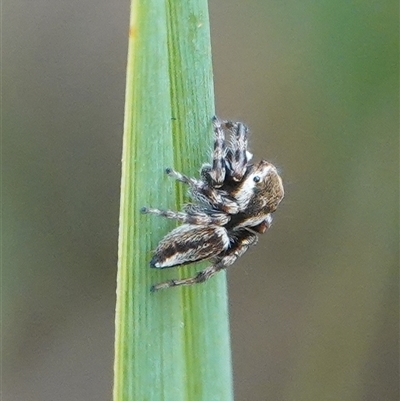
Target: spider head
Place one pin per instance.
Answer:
(261, 190)
(268, 185)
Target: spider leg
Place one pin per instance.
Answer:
(198, 278)
(191, 216)
(205, 193)
(238, 156)
(192, 182)
(240, 246)
(216, 173)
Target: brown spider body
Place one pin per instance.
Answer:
(234, 201)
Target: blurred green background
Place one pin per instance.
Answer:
(315, 306)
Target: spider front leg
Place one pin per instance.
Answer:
(238, 156)
(244, 240)
(216, 172)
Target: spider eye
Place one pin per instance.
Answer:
(256, 178)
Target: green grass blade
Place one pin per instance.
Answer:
(174, 344)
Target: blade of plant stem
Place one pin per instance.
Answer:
(174, 344)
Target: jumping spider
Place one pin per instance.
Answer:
(234, 200)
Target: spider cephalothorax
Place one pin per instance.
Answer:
(233, 202)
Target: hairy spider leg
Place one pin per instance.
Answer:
(205, 193)
(238, 156)
(216, 173)
(192, 216)
(237, 249)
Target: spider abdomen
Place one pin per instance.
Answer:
(190, 243)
